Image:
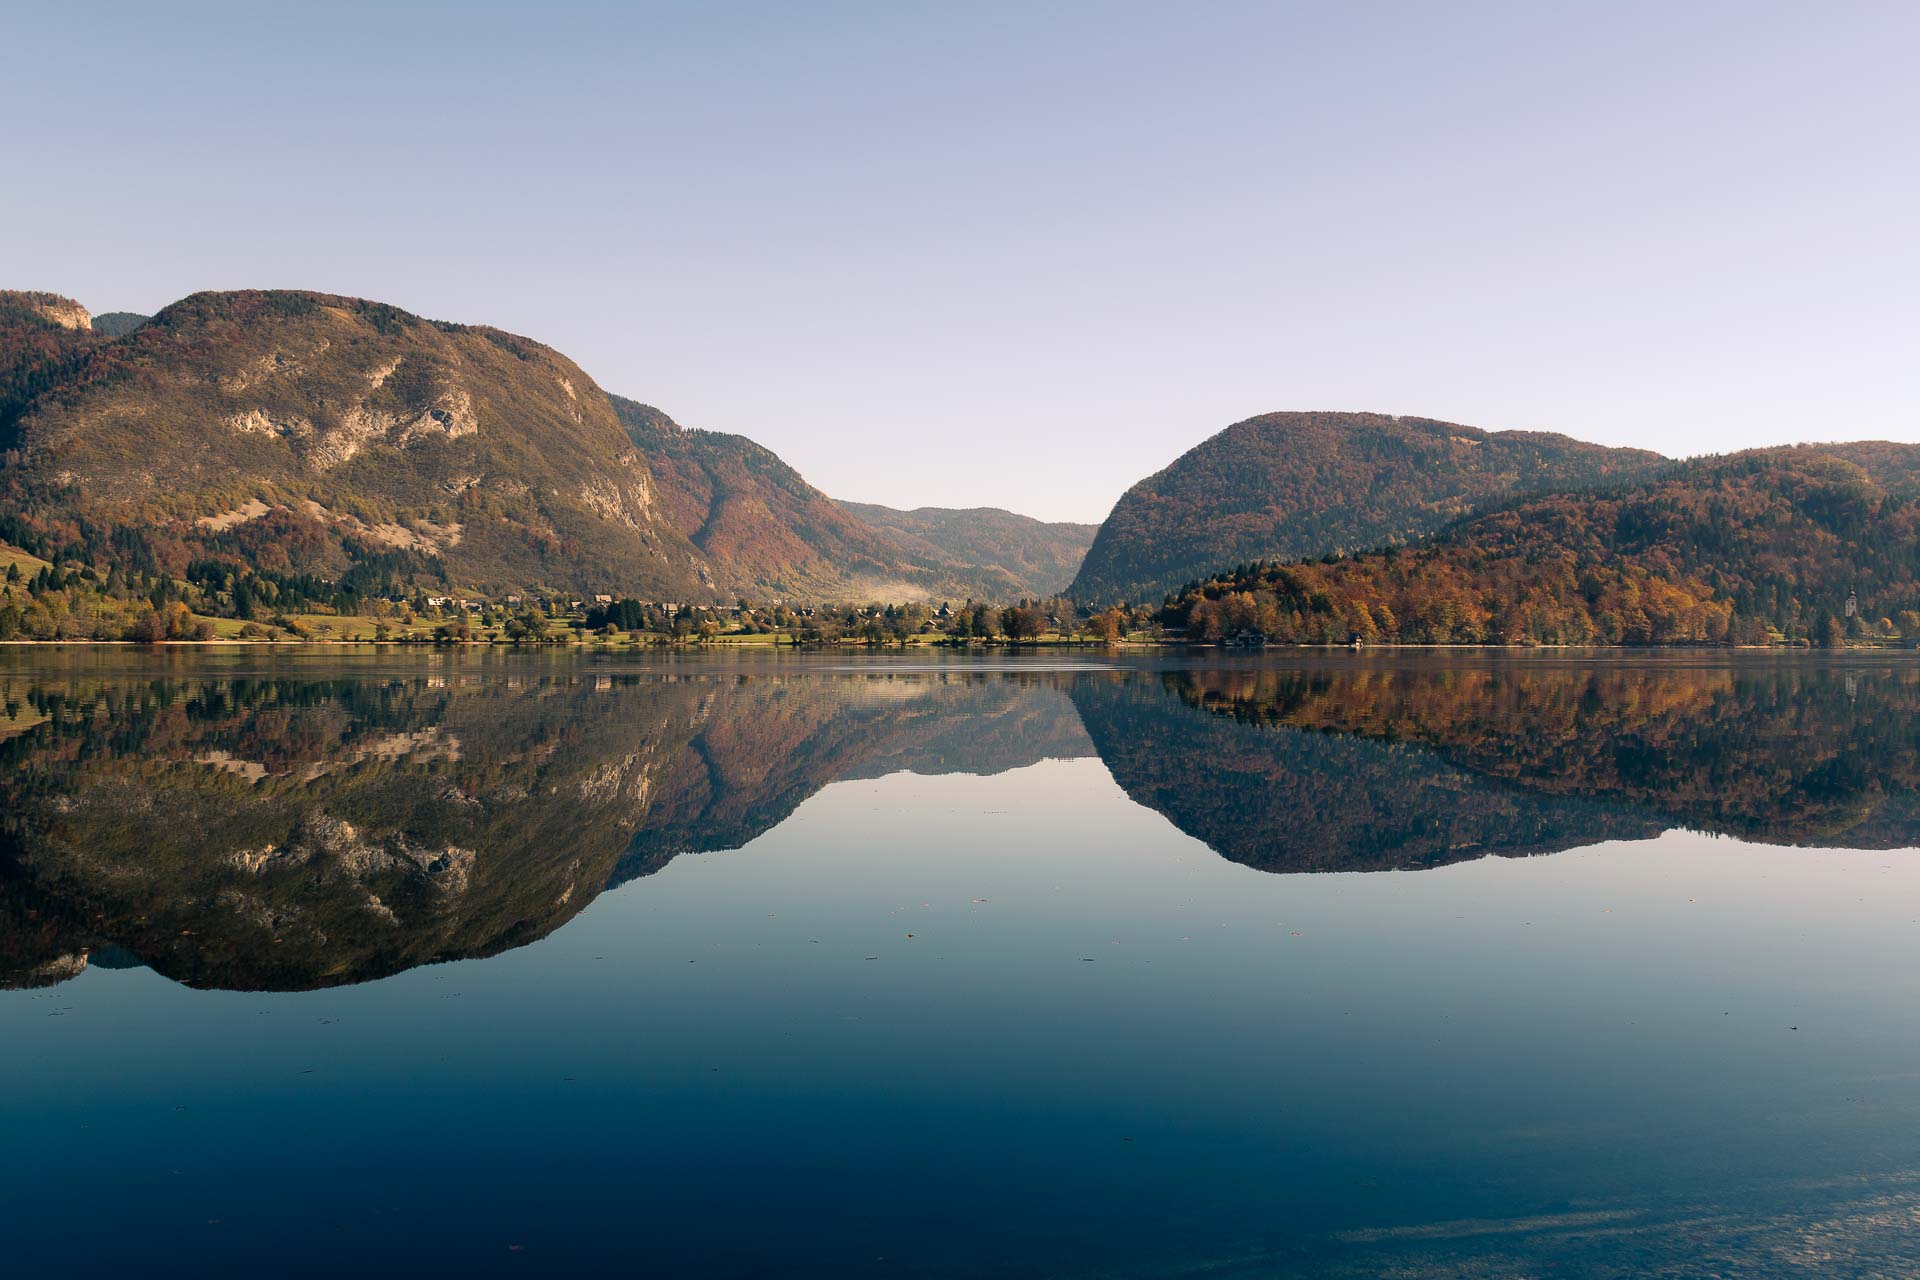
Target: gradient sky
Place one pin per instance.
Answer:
(1023, 255)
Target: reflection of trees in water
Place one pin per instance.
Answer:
(1794, 753)
(294, 832)
(1288, 801)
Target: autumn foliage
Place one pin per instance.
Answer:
(1749, 548)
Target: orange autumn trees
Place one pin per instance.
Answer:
(1722, 551)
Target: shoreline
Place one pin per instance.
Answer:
(724, 644)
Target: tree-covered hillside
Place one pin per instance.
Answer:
(1291, 485)
(1016, 556)
(304, 433)
(767, 531)
(760, 524)
(1764, 545)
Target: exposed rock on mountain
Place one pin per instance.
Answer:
(341, 441)
(360, 429)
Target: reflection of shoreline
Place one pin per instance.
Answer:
(1170, 645)
(1288, 802)
(299, 825)
(286, 832)
(1797, 754)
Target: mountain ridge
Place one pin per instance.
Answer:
(341, 440)
(1307, 483)
(766, 529)
(1038, 557)
(303, 432)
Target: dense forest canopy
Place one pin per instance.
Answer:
(1791, 544)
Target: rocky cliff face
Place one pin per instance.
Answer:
(55, 309)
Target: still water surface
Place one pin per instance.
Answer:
(1330, 966)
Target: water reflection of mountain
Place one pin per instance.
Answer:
(1285, 800)
(292, 832)
(1780, 752)
(746, 771)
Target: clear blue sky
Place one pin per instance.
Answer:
(1024, 255)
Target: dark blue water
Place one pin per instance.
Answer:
(502, 966)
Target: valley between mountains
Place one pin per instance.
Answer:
(270, 457)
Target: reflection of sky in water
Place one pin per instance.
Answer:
(959, 1025)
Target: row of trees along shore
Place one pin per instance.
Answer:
(1783, 547)
(76, 602)
(1268, 604)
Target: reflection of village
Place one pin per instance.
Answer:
(286, 831)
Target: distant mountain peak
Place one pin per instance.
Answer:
(118, 324)
(766, 529)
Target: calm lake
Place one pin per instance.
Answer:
(1344, 965)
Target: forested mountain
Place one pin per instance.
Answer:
(258, 442)
(1017, 556)
(118, 324)
(761, 525)
(1894, 467)
(1762, 545)
(300, 433)
(43, 339)
(348, 445)
(1291, 485)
